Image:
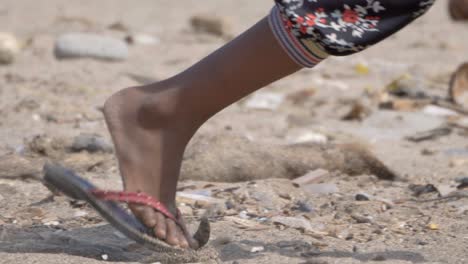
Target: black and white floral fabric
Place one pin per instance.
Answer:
(340, 27)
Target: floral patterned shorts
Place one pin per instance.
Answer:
(310, 30)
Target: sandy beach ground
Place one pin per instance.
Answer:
(45, 103)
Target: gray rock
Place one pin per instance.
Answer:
(83, 45)
(90, 143)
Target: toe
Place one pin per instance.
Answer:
(172, 236)
(160, 229)
(182, 240)
(145, 214)
(149, 217)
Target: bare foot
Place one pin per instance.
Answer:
(150, 138)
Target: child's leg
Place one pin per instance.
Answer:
(151, 125)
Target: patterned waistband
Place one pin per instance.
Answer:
(304, 52)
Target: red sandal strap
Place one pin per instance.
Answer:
(136, 198)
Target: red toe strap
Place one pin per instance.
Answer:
(136, 198)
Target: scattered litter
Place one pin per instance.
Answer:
(445, 189)
(197, 199)
(104, 256)
(362, 69)
(433, 226)
(84, 45)
(265, 101)
(306, 137)
(406, 86)
(141, 39)
(52, 223)
(438, 111)
(312, 177)
(430, 135)
(357, 112)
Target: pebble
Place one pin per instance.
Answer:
(304, 207)
(361, 197)
(85, 45)
(257, 249)
(104, 256)
(90, 143)
(9, 48)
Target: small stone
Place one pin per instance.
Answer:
(257, 249)
(90, 143)
(9, 48)
(218, 26)
(361, 197)
(84, 45)
(104, 256)
(463, 181)
(422, 189)
(433, 226)
(303, 207)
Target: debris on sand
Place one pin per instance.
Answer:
(16, 167)
(458, 9)
(214, 25)
(141, 39)
(430, 135)
(357, 112)
(312, 177)
(44, 145)
(9, 48)
(458, 92)
(86, 45)
(265, 101)
(206, 159)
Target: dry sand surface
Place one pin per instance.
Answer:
(242, 162)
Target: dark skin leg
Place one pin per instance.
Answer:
(151, 125)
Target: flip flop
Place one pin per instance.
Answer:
(106, 204)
